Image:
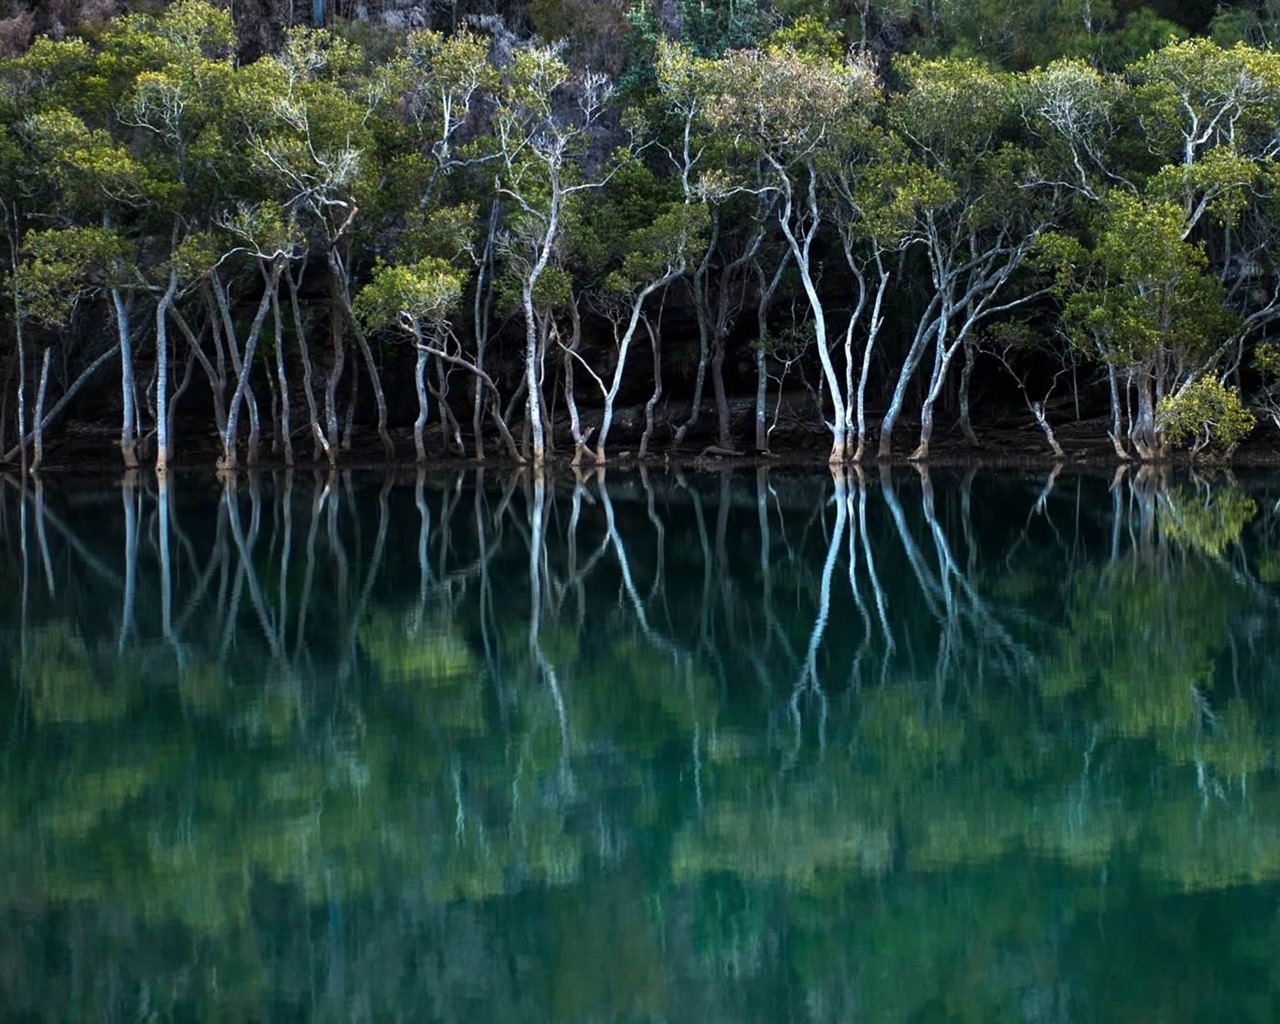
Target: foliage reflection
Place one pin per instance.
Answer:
(755, 746)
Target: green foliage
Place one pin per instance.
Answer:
(1144, 193)
(953, 110)
(1143, 291)
(63, 266)
(1209, 520)
(1208, 414)
(409, 295)
(1139, 33)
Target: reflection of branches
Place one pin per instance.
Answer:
(809, 681)
(129, 501)
(247, 570)
(371, 575)
(872, 575)
(628, 582)
(304, 604)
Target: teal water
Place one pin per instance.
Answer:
(708, 747)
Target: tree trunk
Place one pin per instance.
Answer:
(801, 254)
(65, 400)
(762, 356)
(228, 459)
(449, 426)
(624, 345)
(375, 381)
(37, 455)
(171, 414)
(1117, 425)
(762, 397)
(420, 385)
(873, 334)
(321, 443)
(655, 344)
(925, 329)
(162, 372)
(128, 447)
(338, 347)
(216, 374)
(966, 375)
(722, 398)
(1037, 410)
(941, 364)
(19, 337)
(1145, 438)
(484, 293)
(533, 389)
(580, 451)
(286, 417)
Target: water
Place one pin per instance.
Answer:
(739, 747)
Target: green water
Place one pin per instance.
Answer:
(706, 747)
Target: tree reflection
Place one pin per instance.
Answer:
(326, 746)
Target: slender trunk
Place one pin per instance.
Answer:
(873, 333)
(37, 455)
(484, 293)
(216, 373)
(1037, 410)
(420, 385)
(218, 378)
(321, 443)
(286, 412)
(580, 450)
(162, 371)
(171, 413)
(128, 449)
(722, 397)
(767, 292)
(65, 400)
(966, 375)
(624, 345)
(533, 404)
(342, 291)
(228, 459)
(941, 363)
(379, 397)
(703, 310)
(449, 427)
(925, 330)
(762, 397)
(1117, 417)
(655, 345)
(274, 417)
(548, 407)
(19, 338)
(337, 341)
(239, 364)
(800, 251)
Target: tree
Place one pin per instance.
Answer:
(981, 207)
(1206, 413)
(1142, 302)
(545, 122)
(417, 299)
(797, 111)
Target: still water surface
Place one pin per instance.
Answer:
(723, 747)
